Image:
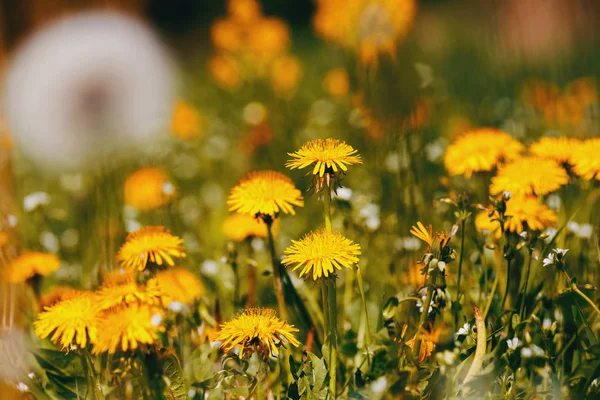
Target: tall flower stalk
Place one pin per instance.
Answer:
(322, 252)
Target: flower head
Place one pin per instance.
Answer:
(58, 293)
(265, 193)
(109, 296)
(330, 157)
(186, 122)
(529, 176)
(179, 285)
(239, 227)
(425, 234)
(286, 72)
(322, 251)
(256, 330)
(586, 161)
(428, 341)
(30, 264)
(72, 321)
(480, 150)
(524, 213)
(126, 328)
(226, 71)
(337, 83)
(369, 27)
(558, 149)
(148, 188)
(152, 243)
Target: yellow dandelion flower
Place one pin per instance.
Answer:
(126, 328)
(529, 176)
(239, 227)
(487, 225)
(180, 285)
(58, 293)
(259, 136)
(480, 150)
(267, 38)
(286, 72)
(30, 264)
(118, 276)
(72, 321)
(586, 161)
(327, 155)
(148, 188)
(186, 122)
(558, 149)
(152, 243)
(109, 296)
(337, 83)
(244, 11)
(226, 71)
(227, 34)
(256, 330)
(582, 91)
(428, 342)
(4, 239)
(370, 27)
(526, 213)
(322, 251)
(540, 95)
(265, 193)
(425, 234)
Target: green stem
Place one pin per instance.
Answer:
(331, 289)
(524, 294)
(327, 208)
(506, 287)
(325, 308)
(92, 378)
(424, 314)
(583, 295)
(276, 273)
(460, 261)
(366, 310)
(331, 307)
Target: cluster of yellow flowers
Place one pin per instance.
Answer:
(250, 45)
(561, 109)
(124, 313)
(527, 173)
(263, 195)
(369, 27)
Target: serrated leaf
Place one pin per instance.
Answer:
(175, 384)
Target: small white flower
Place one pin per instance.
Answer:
(513, 343)
(526, 352)
(523, 234)
(343, 193)
(549, 260)
(562, 252)
(379, 385)
(168, 188)
(537, 351)
(585, 231)
(34, 200)
(546, 324)
(175, 306)
(21, 387)
(156, 319)
(209, 267)
(465, 330)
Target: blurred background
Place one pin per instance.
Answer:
(398, 80)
